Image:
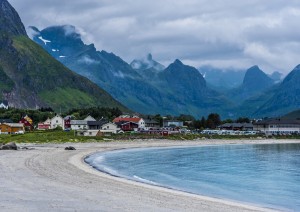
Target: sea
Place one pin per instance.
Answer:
(266, 175)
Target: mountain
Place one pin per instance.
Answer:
(292, 115)
(276, 76)
(143, 86)
(222, 79)
(254, 83)
(31, 78)
(147, 68)
(188, 86)
(285, 99)
(107, 70)
(146, 63)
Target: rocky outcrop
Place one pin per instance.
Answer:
(10, 20)
(9, 146)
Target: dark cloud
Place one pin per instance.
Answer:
(230, 33)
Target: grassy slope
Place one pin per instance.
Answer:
(54, 83)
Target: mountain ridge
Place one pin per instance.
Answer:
(35, 79)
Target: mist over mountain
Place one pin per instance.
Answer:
(148, 87)
(31, 78)
(222, 79)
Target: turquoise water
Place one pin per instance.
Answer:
(265, 175)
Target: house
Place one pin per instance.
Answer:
(46, 125)
(4, 104)
(81, 124)
(96, 125)
(151, 124)
(236, 126)
(67, 122)
(57, 121)
(172, 123)
(12, 128)
(109, 128)
(127, 125)
(278, 126)
(139, 121)
(28, 123)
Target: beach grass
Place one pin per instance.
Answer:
(58, 136)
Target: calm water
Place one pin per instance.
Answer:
(266, 175)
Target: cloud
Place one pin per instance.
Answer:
(230, 33)
(87, 60)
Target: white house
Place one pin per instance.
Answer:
(81, 124)
(109, 128)
(277, 126)
(4, 104)
(57, 121)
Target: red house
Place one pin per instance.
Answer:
(127, 125)
(67, 121)
(28, 123)
(46, 125)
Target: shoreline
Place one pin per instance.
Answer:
(41, 175)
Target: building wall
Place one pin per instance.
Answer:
(57, 121)
(10, 130)
(274, 129)
(109, 127)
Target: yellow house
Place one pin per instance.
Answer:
(12, 128)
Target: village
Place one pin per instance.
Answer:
(89, 126)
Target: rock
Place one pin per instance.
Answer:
(9, 146)
(70, 148)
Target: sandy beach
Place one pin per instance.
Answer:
(49, 178)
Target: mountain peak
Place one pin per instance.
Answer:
(149, 57)
(10, 21)
(146, 63)
(178, 62)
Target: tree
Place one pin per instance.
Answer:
(243, 120)
(213, 120)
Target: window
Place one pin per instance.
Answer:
(56, 121)
(107, 127)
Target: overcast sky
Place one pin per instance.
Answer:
(222, 33)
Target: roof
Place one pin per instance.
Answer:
(277, 121)
(89, 118)
(236, 125)
(96, 123)
(79, 122)
(135, 120)
(14, 124)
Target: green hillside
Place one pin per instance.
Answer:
(30, 77)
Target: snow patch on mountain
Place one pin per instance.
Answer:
(44, 40)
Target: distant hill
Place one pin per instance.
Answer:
(255, 82)
(222, 79)
(31, 78)
(292, 115)
(286, 98)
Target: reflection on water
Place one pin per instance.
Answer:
(267, 174)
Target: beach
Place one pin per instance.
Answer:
(45, 177)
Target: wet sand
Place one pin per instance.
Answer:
(48, 178)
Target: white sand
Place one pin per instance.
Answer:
(49, 178)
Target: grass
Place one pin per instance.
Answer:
(55, 136)
(50, 136)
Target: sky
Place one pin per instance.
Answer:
(223, 33)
